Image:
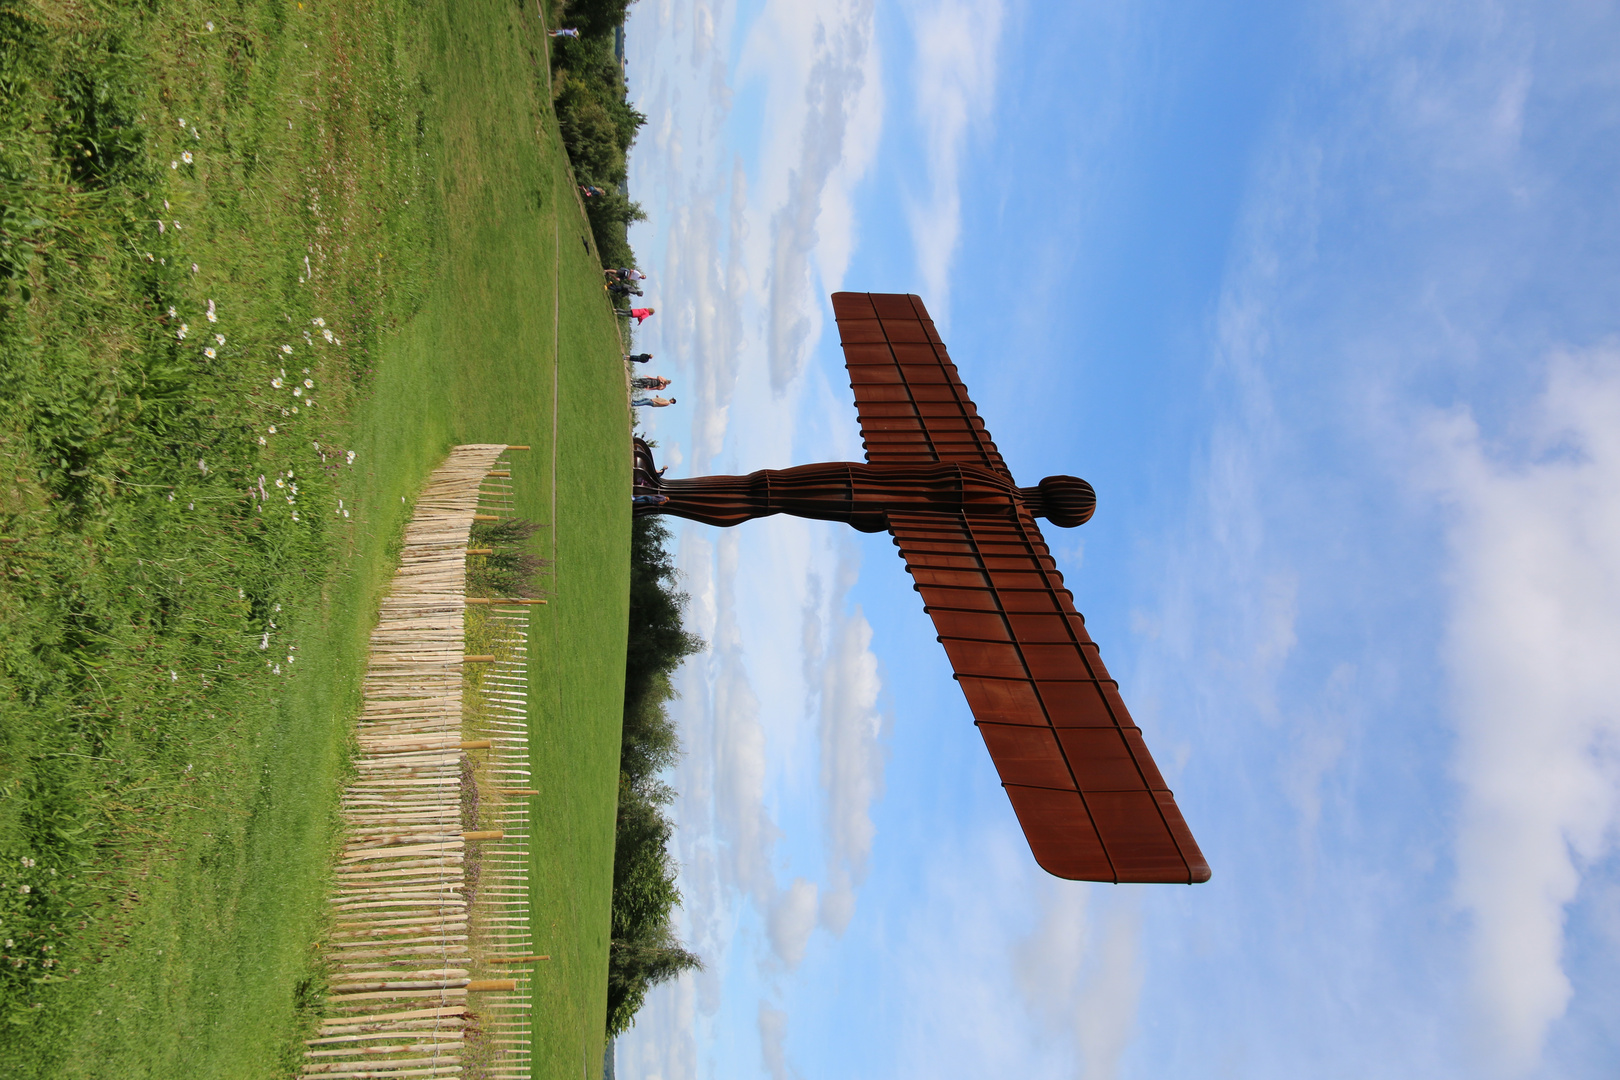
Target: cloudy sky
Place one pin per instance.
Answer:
(1321, 297)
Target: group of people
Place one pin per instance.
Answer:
(646, 475)
(641, 384)
(621, 282)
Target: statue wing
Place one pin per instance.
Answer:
(912, 407)
(1091, 802)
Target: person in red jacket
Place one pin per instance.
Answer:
(640, 314)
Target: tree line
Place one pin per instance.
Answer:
(597, 121)
(644, 950)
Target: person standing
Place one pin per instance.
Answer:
(650, 382)
(638, 358)
(640, 314)
(651, 402)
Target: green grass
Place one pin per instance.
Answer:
(423, 177)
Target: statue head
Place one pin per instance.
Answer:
(1066, 501)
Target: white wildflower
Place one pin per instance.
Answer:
(298, 391)
(327, 334)
(202, 466)
(276, 383)
(286, 348)
(213, 316)
(174, 164)
(162, 228)
(240, 595)
(264, 642)
(262, 441)
(195, 268)
(310, 383)
(345, 513)
(182, 332)
(280, 482)
(210, 26)
(210, 353)
(272, 429)
(172, 313)
(182, 121)
(219, 339)
(318, 321)
(351, 457)
(295, 515)
(173, 677)
(278, 669)
(185, 156)
(25, 889)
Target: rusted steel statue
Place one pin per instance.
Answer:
(1091, 802)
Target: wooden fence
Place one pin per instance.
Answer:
(430, 954)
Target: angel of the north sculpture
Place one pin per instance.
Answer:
(1091, 802)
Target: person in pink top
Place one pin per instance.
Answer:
(640, 314)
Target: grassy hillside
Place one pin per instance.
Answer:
(178, 779)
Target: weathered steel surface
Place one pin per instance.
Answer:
(1092, 803)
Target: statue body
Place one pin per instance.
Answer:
(858, 494)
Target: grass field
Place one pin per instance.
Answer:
(180, 780)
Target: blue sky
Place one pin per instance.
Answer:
(1320, 297)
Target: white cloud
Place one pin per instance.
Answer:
(954, 88)
(1080, 974)
(1533, 634)
(773, 1041)
(791, 920)
(841, 73)
(852, 756)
